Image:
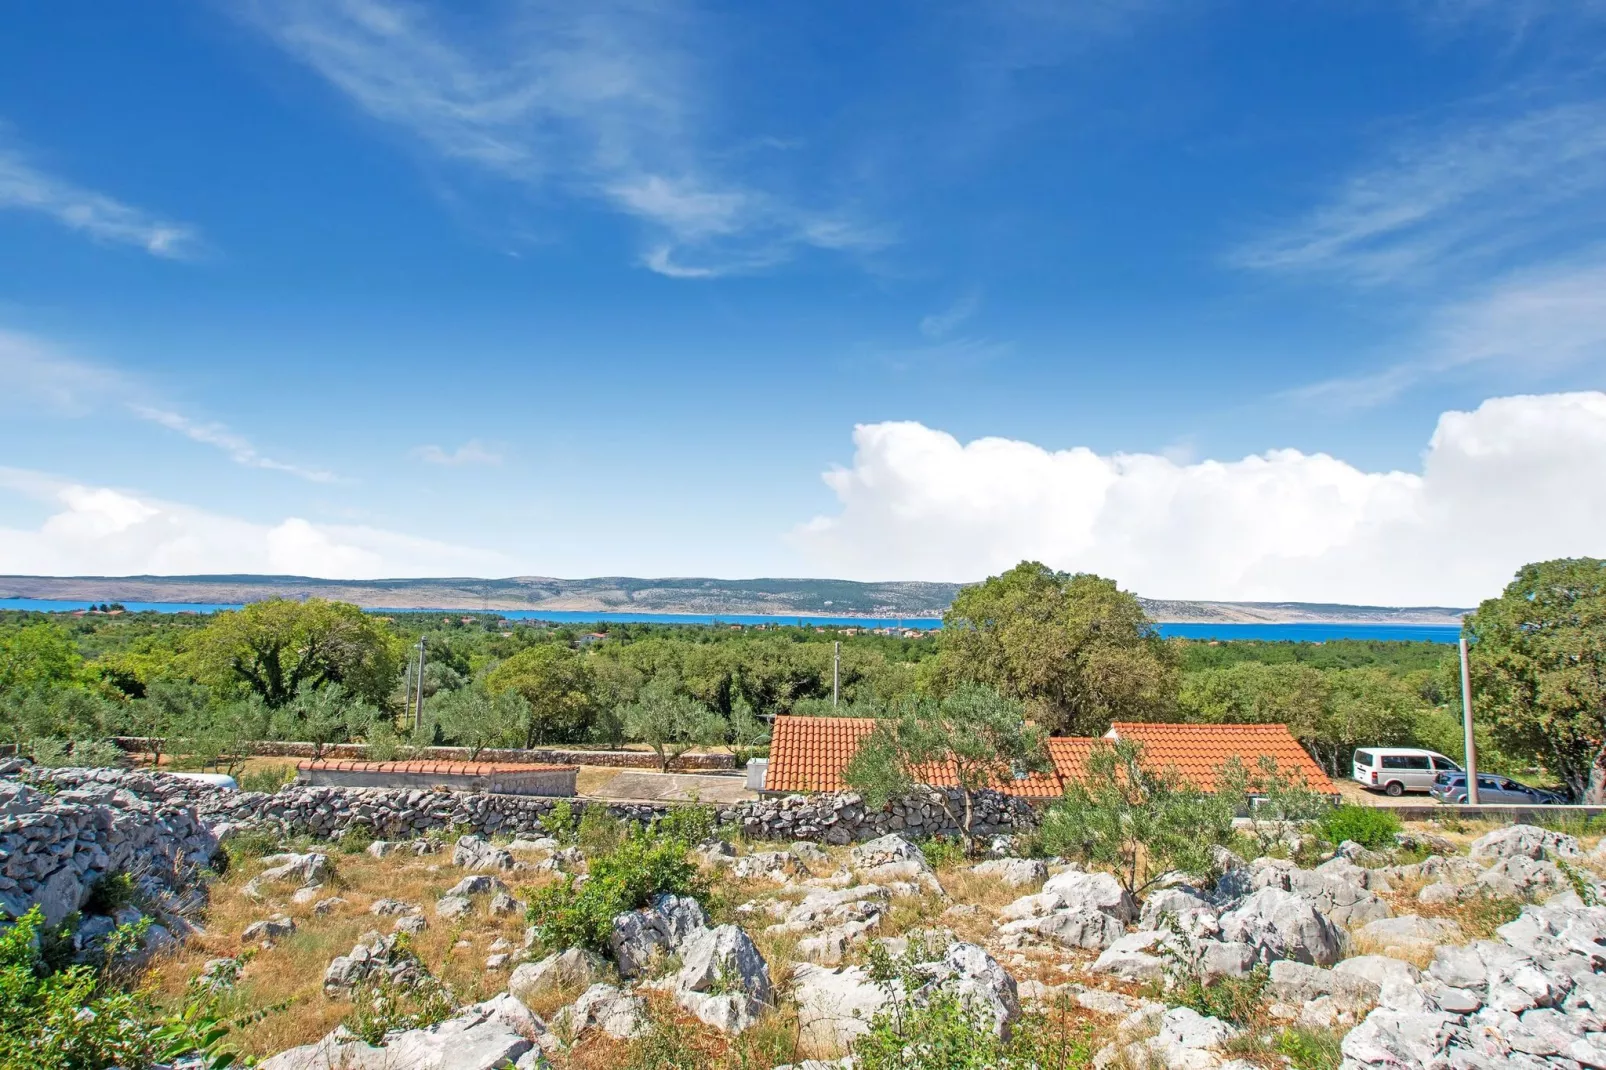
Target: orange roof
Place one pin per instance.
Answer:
(1197, 751)
(432, 768)
(809, 754)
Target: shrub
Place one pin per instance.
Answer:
(244, 845)
(267, 780)
(945, 1034)
(942, 852)
(644, 865)
(690, 824)
(110, 893)
(1135, 821)
(1369, 826)
(1232, 999)
(76, 754)
(356, 839)
(1310, 1049)
(600, 832)
(74, 1019)
(559, 822)
(384, 1007)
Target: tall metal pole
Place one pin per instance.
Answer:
(836, 672)
(1466, 724)
(407, 691)
(418, 708)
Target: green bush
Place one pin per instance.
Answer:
(600, 832)
(644, 865)
(76, 754)
(690, 824)
(385, 1007)
(355, 840)
(560, 822)
(942, 852)
(1310, 1049)
(76, 1019)
(267, 780)
(944, 1034)
(1369, 826)
(110, 893)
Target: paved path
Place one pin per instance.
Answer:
(635, 786)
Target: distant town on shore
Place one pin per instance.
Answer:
(678, 595)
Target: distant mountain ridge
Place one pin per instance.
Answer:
(693, 595)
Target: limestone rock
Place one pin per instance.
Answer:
(621, 1015)
(476, 853)
(1280, 925)
(1098, 891)
(1013, 872)
(834, 1007)
(658, 930)
(477, 884)
(723, 979)
(1410, 933)
(1526, 841)
(571, 969)
(487, 1036)
(280, 925)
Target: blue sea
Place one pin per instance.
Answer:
(1299, 633)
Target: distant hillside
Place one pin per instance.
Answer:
(622, 594)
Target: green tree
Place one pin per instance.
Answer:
(167, 707)
(321, 715)
(1076, 650)
(1139, 822)
(1539, 668)
(469, 717)
(670, 721)
(556, 683)
(37, 654)
(274, 647)
(749, 735)
(972, 739)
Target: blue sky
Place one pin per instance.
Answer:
(1226, 299)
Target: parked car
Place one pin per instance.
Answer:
(1397, 770)
(1493, 790)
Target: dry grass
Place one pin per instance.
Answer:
(287, 978)
(592, 779)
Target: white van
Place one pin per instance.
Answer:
(1397, 770)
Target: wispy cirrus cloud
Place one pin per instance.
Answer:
(31, 370)
(1451, 200)
(1541, 321)
(604, 100)
(939, 325)
(27, 187)
(237, 446)
(470, 452)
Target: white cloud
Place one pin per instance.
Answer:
(25, 187)
(1442, 201)
(238, 448)
(470, 452)
(105, 531)
(1538, 322)
(940, 325)
(31, 370)
(1516, 480)
(603, 98)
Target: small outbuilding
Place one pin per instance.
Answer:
(501, 778)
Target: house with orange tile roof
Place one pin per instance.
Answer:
(808, 754)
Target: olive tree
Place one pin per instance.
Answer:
(970, 740)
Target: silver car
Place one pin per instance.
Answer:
(1494, 791)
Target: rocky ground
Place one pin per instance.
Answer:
(1448, 951)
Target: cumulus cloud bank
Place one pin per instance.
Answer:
(1518, 479)
(103, 531)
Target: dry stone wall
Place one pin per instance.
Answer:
(399, 813)
(620, 759)
(59, 838)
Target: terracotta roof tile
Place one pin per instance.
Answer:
(432, 768)
(1197, 751)
(809, 753)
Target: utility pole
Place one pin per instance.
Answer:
(836, 672)
(407, 691)
(418, 708)
(1466, 724)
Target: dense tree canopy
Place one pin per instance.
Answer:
(1076, 650)
(36, 654)
(1539, 664)
(556, 685)
(274, 648)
